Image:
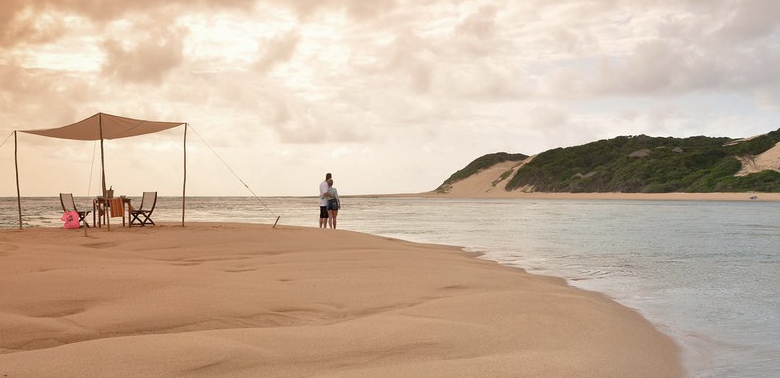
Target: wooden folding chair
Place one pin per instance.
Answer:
(68, 204)
(143, 215)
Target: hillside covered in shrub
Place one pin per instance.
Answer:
(641, 164)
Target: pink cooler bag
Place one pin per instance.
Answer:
(71, 219)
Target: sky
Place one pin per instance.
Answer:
(391, 96)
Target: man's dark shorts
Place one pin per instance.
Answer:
(323, 211)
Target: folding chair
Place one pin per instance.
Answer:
(143, 215)
(68, 204)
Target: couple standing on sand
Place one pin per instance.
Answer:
(329, 203)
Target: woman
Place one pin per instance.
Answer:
(334, 204)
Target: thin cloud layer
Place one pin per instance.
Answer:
(323, 84)
(277, 50)
(147, 59)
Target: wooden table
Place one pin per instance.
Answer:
(102, 206)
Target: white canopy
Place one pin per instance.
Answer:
(104, 126)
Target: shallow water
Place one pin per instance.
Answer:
(706, 273)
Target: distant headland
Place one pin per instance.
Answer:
(630, 167)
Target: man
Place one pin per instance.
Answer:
(324, 197)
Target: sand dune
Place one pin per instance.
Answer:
(223, 300)
(487, 182)
(768, 160)
(483, 181)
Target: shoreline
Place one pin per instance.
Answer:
(442, 311)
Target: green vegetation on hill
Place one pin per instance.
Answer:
(477, 165)
(696, 164)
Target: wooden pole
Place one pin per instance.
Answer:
(18, 193)
(103, 173)
(184, 185)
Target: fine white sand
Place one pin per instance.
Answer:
(768, 160)
(230, 300)
(483, 181)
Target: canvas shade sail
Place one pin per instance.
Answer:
(105, 126)
(113, 127)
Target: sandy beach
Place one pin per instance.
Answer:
(237, 300)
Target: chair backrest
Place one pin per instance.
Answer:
(66, 199)
(148, 201)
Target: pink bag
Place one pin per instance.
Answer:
(71, 219)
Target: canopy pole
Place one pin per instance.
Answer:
(103, 172)
(18, 193)
(184, 185)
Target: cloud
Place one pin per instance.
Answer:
(480, 25)
(276, 51)
(747, 20)
(35, 98)
(688, 60)
(408, 57)
(547, 117)
(21, 23)
(42, 21)
(768, 98)
(357, 9)
(147, 59)
(444, 79)
(653, 67)
(318, 125)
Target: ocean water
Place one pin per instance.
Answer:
(706, 273)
